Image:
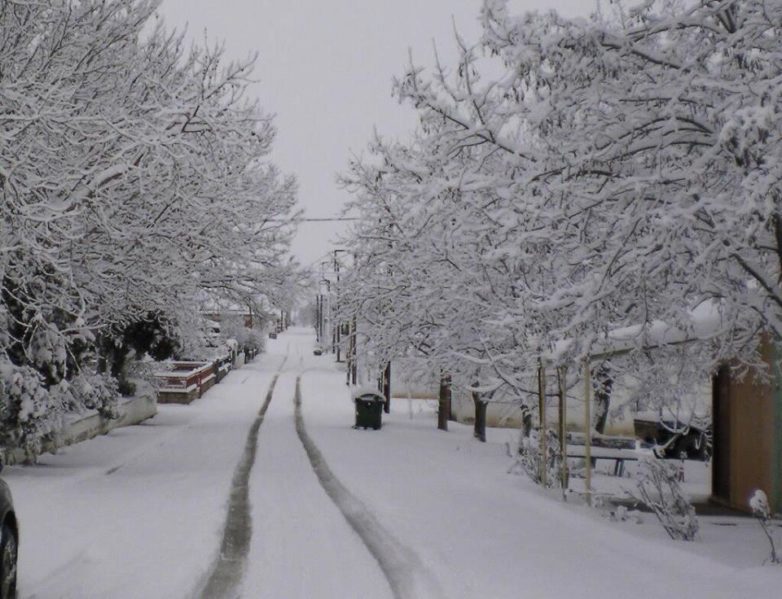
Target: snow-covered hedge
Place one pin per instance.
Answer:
(30, 412)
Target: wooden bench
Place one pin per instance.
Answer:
(619, 456)
(604, 447)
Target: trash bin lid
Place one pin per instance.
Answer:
(365, 394)
(370, 397)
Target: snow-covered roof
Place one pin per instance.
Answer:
(703, 322)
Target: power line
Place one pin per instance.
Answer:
(327, 219)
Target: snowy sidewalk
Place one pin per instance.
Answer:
(485, 533)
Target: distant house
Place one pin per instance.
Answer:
(747, 435)
(246, 316)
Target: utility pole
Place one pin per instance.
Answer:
(338, 324)
(317, 317)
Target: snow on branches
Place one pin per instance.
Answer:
(133, 172)
(570, 178)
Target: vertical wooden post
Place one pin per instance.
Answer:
(542, 422)
(587, 432)
(561, 388)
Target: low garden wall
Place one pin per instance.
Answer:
(185, 382)
(86, 426)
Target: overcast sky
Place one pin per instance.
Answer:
(325, 68)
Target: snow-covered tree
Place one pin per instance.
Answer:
(661, 171)
(134, 173)
(571, 178)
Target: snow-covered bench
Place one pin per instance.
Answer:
(604, 447)
(619, 456)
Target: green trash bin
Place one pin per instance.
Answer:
(369, 410)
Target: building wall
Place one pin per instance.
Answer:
(412, 379)
(748, 437)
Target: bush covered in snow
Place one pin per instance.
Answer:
(758, 503)
(659, 490)
(28, 412)
(529, 460)
(31, 411)
(234, 328)
(92, 392)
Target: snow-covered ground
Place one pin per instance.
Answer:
(140, 512)
(137, 512)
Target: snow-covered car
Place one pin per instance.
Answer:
(9, 543)
(675, 439)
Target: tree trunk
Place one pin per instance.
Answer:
(603, 383)
(451, 411)
(387, 388)
(349, 355)
(526, 421)
(444, 404)
(526, 425)
(480, 417)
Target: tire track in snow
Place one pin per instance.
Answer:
(129, 458)
(226, 572)
(406, 574)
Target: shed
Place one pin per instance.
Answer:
(747, 425)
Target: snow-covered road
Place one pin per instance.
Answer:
(141, 512)
(301, 546)
(404, 512)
